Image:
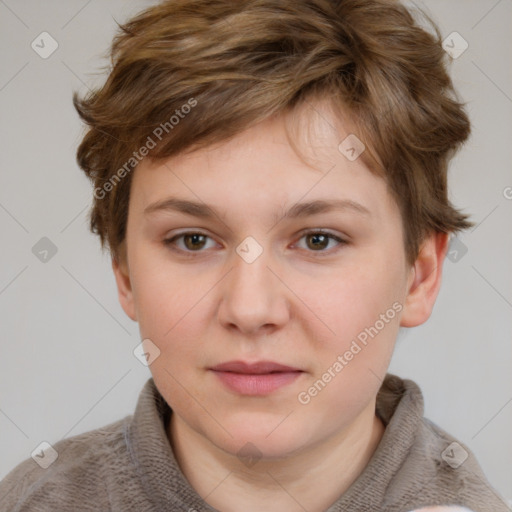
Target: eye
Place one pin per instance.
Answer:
(193, 241)
(316, 240)
(319, 240)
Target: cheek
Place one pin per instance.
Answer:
(361, 308)
(356, 297)
(350, 364)
(172, 311)
(164, 297)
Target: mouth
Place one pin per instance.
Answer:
(259, 378)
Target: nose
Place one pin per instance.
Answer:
(254, 298)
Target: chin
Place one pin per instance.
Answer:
(263, 440)
(252, 450)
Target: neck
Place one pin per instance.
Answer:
(312, 479)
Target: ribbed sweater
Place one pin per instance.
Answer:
(129, 466)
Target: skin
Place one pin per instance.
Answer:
(300, 303)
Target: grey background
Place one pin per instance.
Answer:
(67, 364)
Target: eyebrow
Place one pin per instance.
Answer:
(298, 210)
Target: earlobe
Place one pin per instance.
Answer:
(425, 280)
(124, 286)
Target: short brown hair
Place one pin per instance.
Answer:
(235, 63)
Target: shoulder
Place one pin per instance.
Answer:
(449, 466)
(435, 468)
(77, 476)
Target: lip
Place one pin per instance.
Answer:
(259, 367)
(259, 378)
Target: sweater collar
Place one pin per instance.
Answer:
(164, 483)
(399, 405)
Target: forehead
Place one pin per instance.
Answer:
(275, 163)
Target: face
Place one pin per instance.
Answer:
(249, 276)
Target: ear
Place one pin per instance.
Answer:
(425, 280)
(124, 286)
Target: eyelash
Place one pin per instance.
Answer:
(170, 242)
